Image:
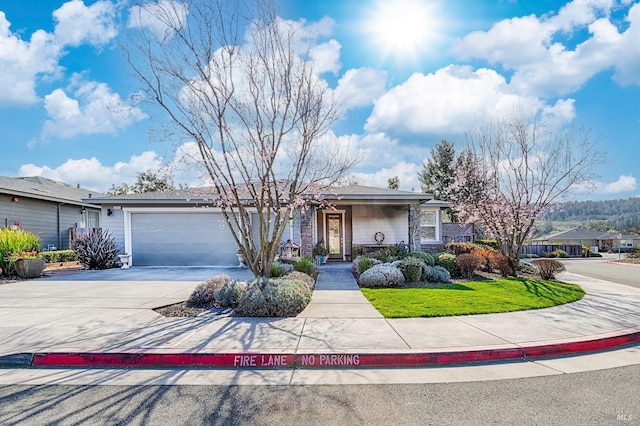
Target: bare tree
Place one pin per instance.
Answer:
(239, 82)
(513, 169)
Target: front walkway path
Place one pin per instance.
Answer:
(337, 295)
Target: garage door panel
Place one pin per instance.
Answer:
(186, 239)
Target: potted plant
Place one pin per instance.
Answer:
(320, 252)
(28, 264)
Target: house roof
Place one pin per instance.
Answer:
(206, 195)
(46, 189)
(587, 234)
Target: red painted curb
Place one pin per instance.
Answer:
(336, 360)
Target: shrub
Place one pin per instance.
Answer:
(301, 276)
(228, 294)
(14, 241)
(487, 255)
(56, 256)
(202, 295)
(96, 249)
(305, 264)
(527, 268)
(459, 248)
(383, 275)
(411, 267)
(364, 263)
(504, 264)
(288, 297)
(276, 298)
(392, 253)
(468, 263)
(548, 268)
(448, 262)
(287, 268)
(427, 258)
(633, 253)
(436, 274)
(489, 243)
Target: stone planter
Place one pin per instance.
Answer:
(30, 268)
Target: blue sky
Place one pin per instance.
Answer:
(412, 71)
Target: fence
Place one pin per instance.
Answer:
(543, 250)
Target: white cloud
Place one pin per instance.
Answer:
(449, 100)
(159, 18)
(625, 183)
(93, 109)
(326, 57)
(21, 61)
(360, 87)
(533, 47)
(78, 24)
(406, 172)
(90, 173)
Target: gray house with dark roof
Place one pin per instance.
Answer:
(184, 227)
(595, 240)
(47, 208)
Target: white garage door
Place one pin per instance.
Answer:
(182, 239)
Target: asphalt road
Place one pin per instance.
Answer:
(598, 268)
(605, 397)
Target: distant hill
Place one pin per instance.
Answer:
(610, 215)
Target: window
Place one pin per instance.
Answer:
(428, 225)
(93, 219)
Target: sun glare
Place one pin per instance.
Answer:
(402, 29)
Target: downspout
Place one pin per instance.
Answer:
(59, 229)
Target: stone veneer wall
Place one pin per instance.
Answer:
(306, 232)
(414, 227)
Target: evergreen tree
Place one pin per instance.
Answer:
(438, 173)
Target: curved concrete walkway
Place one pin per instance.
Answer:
(104, 318)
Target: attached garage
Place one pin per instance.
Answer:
(181, 239)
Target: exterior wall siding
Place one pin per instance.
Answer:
(114, 224)
(41, 218)
(369, 219)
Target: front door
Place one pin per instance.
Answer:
(334, 235)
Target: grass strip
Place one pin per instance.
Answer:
(469, 298)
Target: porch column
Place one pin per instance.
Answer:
(306, 232)
(414, 227)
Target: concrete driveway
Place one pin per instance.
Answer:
(151, 273)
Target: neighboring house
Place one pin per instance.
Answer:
(183, 227)
(46, 208)
(597, 241)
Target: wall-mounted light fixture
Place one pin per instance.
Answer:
(82, 210)
(109, 212)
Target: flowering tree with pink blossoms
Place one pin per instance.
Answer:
(239, 84)
(516, 167)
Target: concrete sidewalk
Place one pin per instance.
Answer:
(93, 319)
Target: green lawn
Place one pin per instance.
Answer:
(481, 297)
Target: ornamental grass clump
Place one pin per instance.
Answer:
(13, 242)
(96, 249)
(305, 264)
